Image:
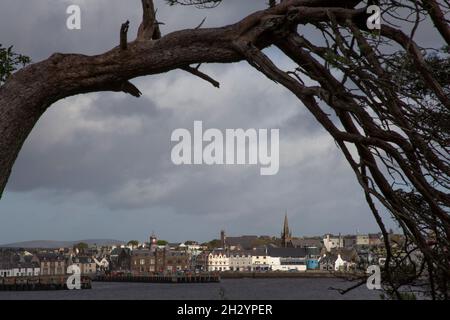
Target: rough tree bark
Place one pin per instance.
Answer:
(401, 156)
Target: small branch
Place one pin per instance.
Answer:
(130, 88)
(439, 20)
(123, 35)
(157, 33)
(344, 291)
(201, 24)
(196, 72)
(149, 28)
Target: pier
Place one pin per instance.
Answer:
(175, 278)
(39, 283)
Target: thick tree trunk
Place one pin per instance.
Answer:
(22, 101)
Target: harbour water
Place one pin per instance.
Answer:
(230, 289)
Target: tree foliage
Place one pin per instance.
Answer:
(81, 246)
(133, 243)
(10, 62)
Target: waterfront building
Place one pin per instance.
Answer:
(312, 263)
(52, 264)
(260, 261)
(193, 251)
(339, 259)
(120, 259)
(143, 261)
(87, 265)
(241, 260)
(201, 261)
(287, 259)
(273, 263)
(160, 260)
(176, 260)
(326, 262)
(218, 260)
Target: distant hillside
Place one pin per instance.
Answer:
(50, 244)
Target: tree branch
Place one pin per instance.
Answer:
(149, 28)
(130, 88)
(378, 108)
(439, 20)
(124, 35)
(196, 72)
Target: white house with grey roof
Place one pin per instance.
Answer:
(287, 259)
(241, 260)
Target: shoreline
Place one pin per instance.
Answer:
(302, 274)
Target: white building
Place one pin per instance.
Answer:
(260, 260)
(218, 260)
(340, 264)
(87, 265)
(332, 262)
(194, 249)
(362, 240)
(241, 261)
(332, 242)
(290, 265)
(287, 259)
(273, 263)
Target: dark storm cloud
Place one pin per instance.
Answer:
(114, 150)
(99, 151)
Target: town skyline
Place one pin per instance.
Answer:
(217, 236)
(157, 257)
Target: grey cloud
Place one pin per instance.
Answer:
(115, 149)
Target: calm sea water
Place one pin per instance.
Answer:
(230, 289)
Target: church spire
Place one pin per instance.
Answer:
(286, 233)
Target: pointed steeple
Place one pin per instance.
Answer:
(286, 233)
(286, 225)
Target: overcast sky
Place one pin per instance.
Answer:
(98, 165)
